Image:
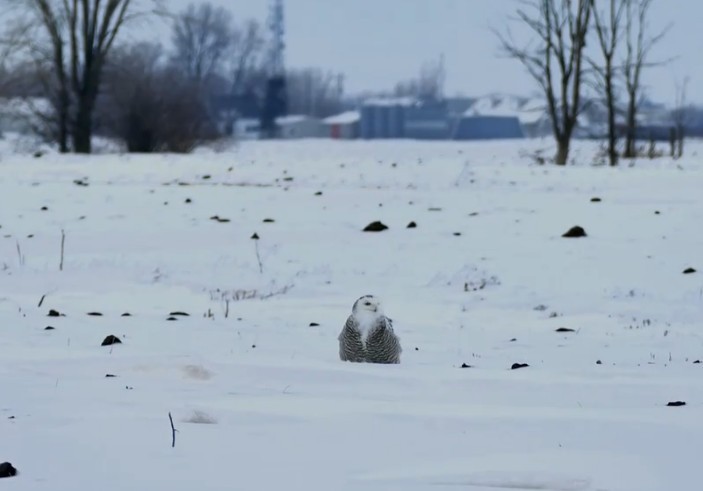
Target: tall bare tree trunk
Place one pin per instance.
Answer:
(612, 135)
(556, 61)
(608, 26)
(63, 113)
(681, 119)
(639, 44)
(562, 154)
(631, 128)
(83, 127)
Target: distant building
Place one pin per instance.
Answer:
(503, 116)
(299, 126)
(344, 126)
(247, 129)
(488, 128)
(427, 120)
(228, 109)
(384, 117)
(534, 119)
(457, 106)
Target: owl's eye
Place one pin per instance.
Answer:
(367, 303)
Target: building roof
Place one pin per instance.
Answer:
(528, 111)
(292, 119)
(391, 101)
(348, 117)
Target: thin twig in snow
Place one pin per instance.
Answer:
(173, 431)
(258, 257)
(20, 258)
(281, 291)
(63, 241)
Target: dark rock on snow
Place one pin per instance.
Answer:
(565, 329)
(7, 470)
(517, 366)
(676, 404)
(375, 227)
(575, 232)
(110, 340)
(219, 219)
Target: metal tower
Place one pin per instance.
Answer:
(276, 19)
(276, 96)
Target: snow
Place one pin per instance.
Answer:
(292, 119)
(347, 117)
(391, 101)
(259, 397)
(528, 111)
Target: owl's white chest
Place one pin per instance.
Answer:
(366, 323)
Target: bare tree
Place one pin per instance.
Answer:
(42, 36)
(639, 44)
(608, 27)
(557, 61)
(314, 92)
(244, 56)
(202, 36)
(680, 116)
(75, 39)
(11, 43)
(429, 84)
(151, 105)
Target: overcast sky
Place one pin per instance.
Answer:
(378, 42)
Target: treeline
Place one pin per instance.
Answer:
(152, 96)
(603, 47)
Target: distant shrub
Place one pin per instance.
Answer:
(152, 106)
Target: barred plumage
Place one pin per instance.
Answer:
(368, 335)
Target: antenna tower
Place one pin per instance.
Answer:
(276, 97)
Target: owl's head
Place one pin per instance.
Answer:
(367, 304)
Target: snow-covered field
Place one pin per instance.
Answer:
(252, 377)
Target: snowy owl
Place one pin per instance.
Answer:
(368, 334)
